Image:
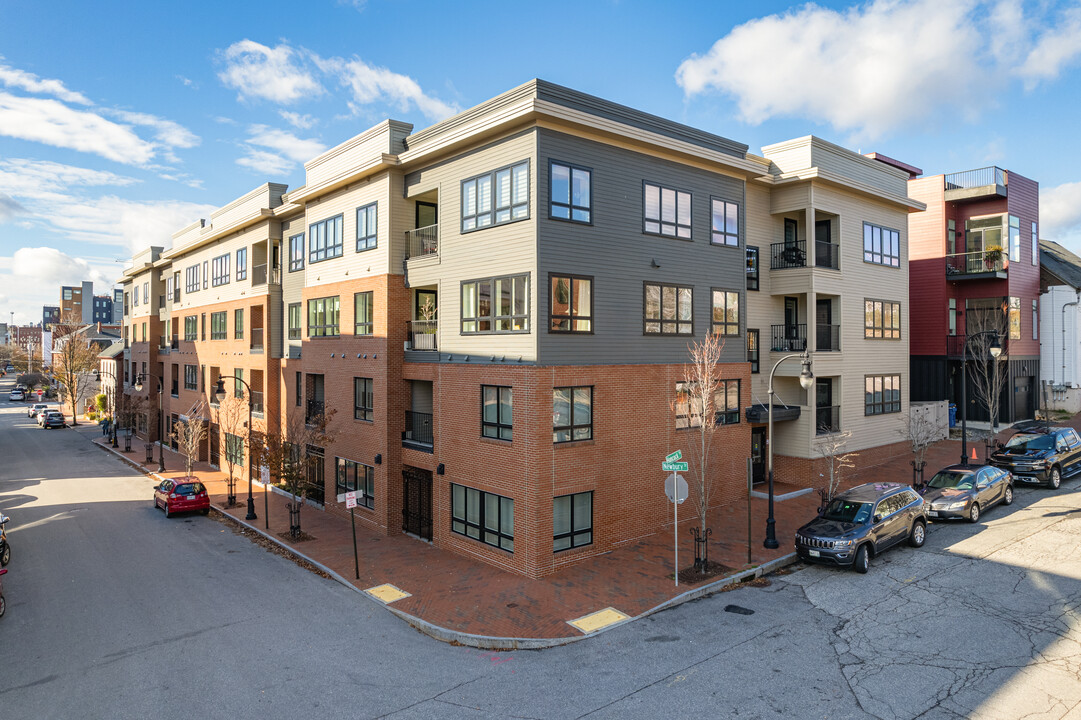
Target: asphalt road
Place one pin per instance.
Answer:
(116, 612)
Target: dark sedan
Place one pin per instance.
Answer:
(960, 491)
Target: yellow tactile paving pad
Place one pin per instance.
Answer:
(596, 621)
(387, 593)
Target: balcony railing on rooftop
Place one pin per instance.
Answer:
(976, 263)
(788, 338)
(422, 241)
(422, 334)
(976, 178)
(788, 255)
(260, 275)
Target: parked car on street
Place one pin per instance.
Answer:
(34, 409)
(1041, 456)
(16, 395)
(861, 523)
(53, 418)
(181, 495)
(960, 491)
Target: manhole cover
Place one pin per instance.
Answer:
(738, 610)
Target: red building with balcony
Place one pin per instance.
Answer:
(974, 264)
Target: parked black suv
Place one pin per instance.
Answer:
(861, 523)
(1041, 456)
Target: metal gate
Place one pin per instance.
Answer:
(417, 502)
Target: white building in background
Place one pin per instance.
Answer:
(1060, 327)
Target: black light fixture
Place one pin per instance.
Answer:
(378, 459)
(439, 469)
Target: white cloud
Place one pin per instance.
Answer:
(276, 74)
(270, 151)
(1060, 214)
(167, 132)
(883, 65)
(303, 122)
(33, 275)
(43, 178)
(375, 84)
(265, 163)
(13, 77)
(10, 208)
(52, 267)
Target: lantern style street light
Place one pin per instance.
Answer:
(219, 395)
(996, 350)
(806, 380)
(161, 437)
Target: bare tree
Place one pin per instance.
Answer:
(695, 407)
(831, 447)
(233, 419)
(290, 457)
(128, 409)
(921, 434)
(189, 434)
(73, 360)
(988, 373)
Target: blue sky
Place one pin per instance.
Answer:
(122, 122)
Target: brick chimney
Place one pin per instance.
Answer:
(99, 327)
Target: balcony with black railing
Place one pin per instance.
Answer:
(827, 419)
(256, 343)
(827, 255)
(976, 184)
(421, 242)
(785, 255)
(422, 334)
(827, 338)
(163, 343)
(418, 432)
(174, 343)
(979, 265)
(313, 412)
(788, 338)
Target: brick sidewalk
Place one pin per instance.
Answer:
(465, 596)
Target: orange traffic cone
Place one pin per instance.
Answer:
(973, 453)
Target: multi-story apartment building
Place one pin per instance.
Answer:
(102, 310)
(76, 302)
(498, 309)
(50, 315)
(142, 328)
(975, 264)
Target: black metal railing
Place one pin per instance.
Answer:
(422, 334)
(161, 302)
(260, 274)
(256, 339)
(176, 295)
(163, 342)
(827, 419)
(788, 338)
(827, 255)
(175, 390)
(975, 263)
(976, 178)
(313, 414)
(788, 255)
(175, 342)
(418, 428)
(257, 402)
(827, 337)
(422, 241)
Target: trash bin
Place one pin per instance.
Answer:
(127, 441)
(149, 452)
(953, 415)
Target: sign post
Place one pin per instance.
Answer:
(264, 475)
(675, 487)
(351, 503)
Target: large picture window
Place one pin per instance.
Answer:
(571, 197)
(724, 223)
(325, 239)
(497, 409)
(363, 399)
(572, 414)
(882, 394)
(725, 310)
(355, 477)
(666, 211)
(571, 304)
(323, 314)
(366, 227)
(882, 319)
(572, 521)
(296, 252)
(362, 313)
(495, 198)
(881, 246)
(496, 305)
(668, 310)
(482, 516)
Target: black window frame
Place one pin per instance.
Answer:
(659, 220)
(364, 392)
(570, 318)
(298, 391)
(219, 270)
(242, 264)
(884, 259)
(370, 240)
(295, 332)
(569, 205)
(234, 449)
(660, 320)
(571, 428)
(494, 209)
(493, 318)
(238, 323)
(754, 350)
(724, 234)
(729, 328)
(573, 533)
(877, 308)
(324, 328)
(495, 429)
(296, 252)
(728, 415)
(882, 406)
(191, 377)
(753, 276)
(191, 328)
(324, 247)
(343, 483)
(501, 538)
(217, 333)
(368, 324)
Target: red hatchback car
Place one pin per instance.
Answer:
(181, 495)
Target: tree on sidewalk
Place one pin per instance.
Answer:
(989, 374)
(189, 434)
(232, 421)
(73, 360)
(293, 455)
(921, 434)
(831, 447)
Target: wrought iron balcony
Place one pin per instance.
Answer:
(827, 420)
(788, 338)
(827, 255)
(788, 255)
(827, 337)
(422, 334)
(418, 429)
(422, 241)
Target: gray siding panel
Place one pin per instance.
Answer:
(618, 255)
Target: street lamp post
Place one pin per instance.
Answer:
(995, 349)
(219, 393)
(806, 380)
(161, 437)
(113, 389)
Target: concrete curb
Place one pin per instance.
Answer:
(490, 642)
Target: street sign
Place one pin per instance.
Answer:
(675, 487)
(675, 466)
(264, 474)
(351, 499)
(677, 455)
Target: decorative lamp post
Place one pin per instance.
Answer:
(219, 394)
(806, 380)
(161, 437)
(996, 350)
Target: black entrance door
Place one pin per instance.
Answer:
(215, 453)
(1022, 398)
(758, 454)
(417, 502)
(316, 475)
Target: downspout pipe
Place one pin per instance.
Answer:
(1064, 306)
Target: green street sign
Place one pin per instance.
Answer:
(677, 455)
(674, 466)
